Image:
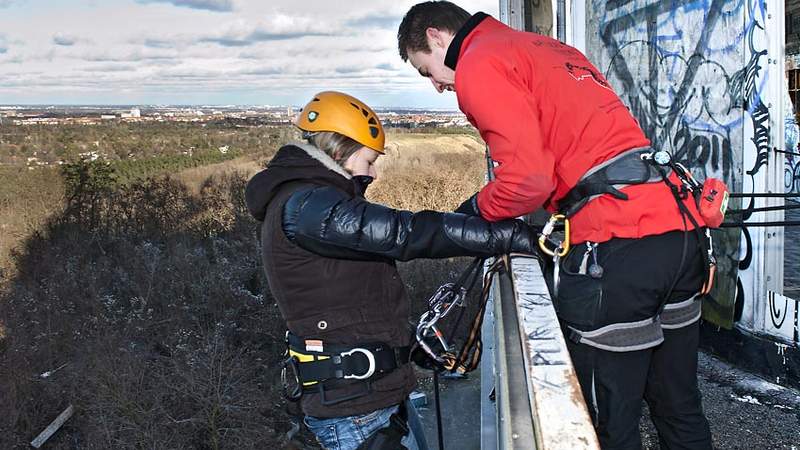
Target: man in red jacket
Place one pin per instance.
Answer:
(626, 293)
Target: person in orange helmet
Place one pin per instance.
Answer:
(329, 256)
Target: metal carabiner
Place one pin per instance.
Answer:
(559, 248)
(290, 379)
(712, 265)
(427, 348)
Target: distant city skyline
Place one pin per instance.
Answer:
(64, 106)
(209, 52)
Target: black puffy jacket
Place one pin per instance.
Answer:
(329, 257)
(329, 222)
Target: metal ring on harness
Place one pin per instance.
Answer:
(370, 357)
(559, 249)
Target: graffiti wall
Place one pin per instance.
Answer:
(791, 170)
(792, 175)
(694, 73)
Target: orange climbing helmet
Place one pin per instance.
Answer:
(343, 114)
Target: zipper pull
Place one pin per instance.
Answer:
(585, 260)
(595, 269)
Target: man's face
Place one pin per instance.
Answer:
(431, 64)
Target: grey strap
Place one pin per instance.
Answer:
(622, 337)
(681, 314)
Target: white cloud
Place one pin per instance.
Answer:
(384, 20)
(210, 5)
(278, 27)
(64, 40)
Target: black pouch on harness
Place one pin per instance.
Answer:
(578, 296)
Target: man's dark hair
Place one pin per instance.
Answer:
(444, 16)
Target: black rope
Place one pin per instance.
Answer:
(766, 208)
(474, 269)
(791, 223)
(438, 408)
(469, 271)
(764, 194)
(786, 152)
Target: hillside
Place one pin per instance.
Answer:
(143, 303)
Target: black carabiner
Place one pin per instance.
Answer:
(290, 379)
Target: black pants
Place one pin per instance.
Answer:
(637, 274)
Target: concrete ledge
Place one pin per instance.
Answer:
(538, 404)
(561, 418)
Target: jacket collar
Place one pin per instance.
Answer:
(454, 50)
(296, 162)
(323, 158)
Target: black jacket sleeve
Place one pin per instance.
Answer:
(328, 222)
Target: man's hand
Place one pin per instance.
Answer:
(470, 206)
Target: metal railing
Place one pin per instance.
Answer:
(530, 396)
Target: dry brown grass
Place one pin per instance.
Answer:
(244, 165)
(424, 171)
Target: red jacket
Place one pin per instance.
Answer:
(548, 116)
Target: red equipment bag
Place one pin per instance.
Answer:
(713, 202)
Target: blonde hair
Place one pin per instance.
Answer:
(337, 146)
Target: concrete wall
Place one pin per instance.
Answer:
(696, 74)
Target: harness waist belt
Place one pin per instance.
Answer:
(318, 362)
(626, 169)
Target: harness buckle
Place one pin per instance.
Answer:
(559, 249)
(370, 357)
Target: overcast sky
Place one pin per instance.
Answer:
(246, 52)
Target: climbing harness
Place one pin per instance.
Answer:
(638, 166)
(313, 366)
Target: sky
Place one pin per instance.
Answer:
(209, 52)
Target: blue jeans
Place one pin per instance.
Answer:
(347, 433)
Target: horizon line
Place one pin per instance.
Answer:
(198, 105)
